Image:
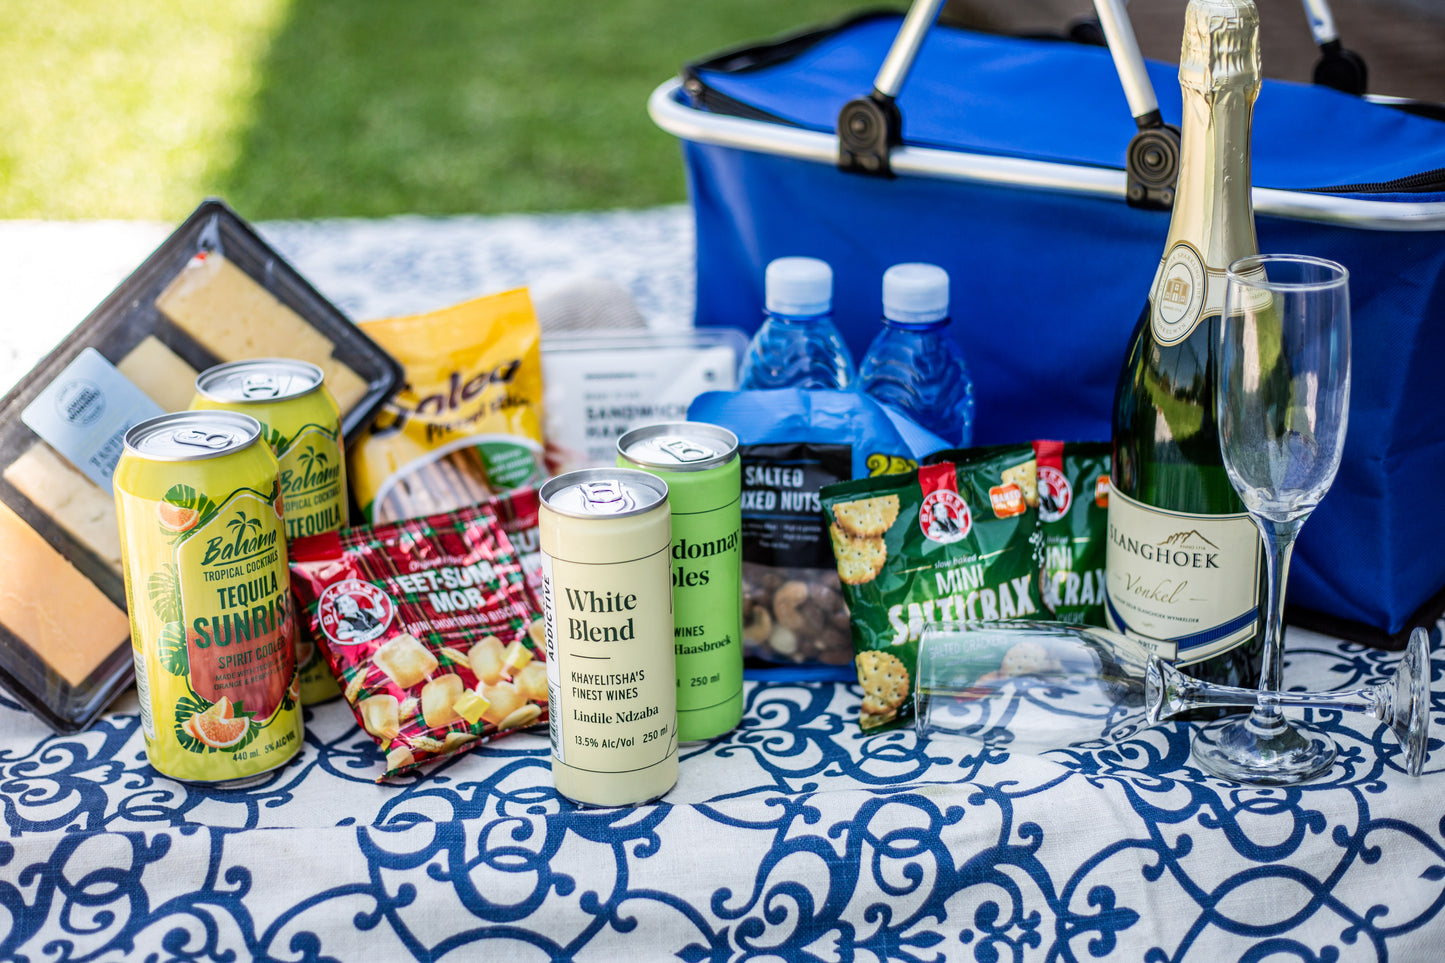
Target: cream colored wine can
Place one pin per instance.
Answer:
(606, 536)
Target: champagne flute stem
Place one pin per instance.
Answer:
(1191, 694)
(1279, 540)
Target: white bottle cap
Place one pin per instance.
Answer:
(799, 286)
(915, 293)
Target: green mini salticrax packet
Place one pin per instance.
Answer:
(948, 542)
(1073, 516)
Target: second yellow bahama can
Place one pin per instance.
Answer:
(302, 424)
(208, 590)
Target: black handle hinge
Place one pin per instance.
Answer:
(868, 130)
(1152, 168)
(1341, 69)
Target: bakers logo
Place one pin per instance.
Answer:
(1056, 495)
(944, 516)
(352, 612)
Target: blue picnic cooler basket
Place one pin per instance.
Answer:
(1026, 169)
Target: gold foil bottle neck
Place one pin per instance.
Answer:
(1221, 45)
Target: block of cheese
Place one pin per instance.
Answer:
(73, 501)
(52, 607)
(161, 373)
(234, 318)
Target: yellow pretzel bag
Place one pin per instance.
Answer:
(467, 424)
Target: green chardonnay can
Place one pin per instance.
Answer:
(700, 464)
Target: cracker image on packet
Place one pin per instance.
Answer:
(948, 552)
(425, 624)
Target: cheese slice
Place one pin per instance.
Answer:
(161, 373)
(235, 318)
(73, 501)
(345, 385)
(52, 607)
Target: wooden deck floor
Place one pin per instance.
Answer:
(1402, 41)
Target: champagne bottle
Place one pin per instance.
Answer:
(1184, 561)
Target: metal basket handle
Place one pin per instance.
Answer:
(871, 126)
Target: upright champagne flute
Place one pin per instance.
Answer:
(1283, 398)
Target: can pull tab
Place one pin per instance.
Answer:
(260, 386)
(606, 497)
(196, 438)
(686, 451)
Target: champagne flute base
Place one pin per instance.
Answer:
(1263, 748)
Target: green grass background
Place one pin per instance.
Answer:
(317, 108)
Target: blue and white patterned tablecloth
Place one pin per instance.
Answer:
(795, 837)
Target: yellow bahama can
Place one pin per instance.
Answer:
(208, 591)
(302, 424)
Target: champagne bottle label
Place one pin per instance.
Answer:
(1188, 584)
(1185, 293)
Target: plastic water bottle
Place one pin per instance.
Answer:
(798, 345)
(912, 363)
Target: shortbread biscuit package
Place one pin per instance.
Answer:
(429, 628)
(517, 512)
(961, 543)
(792, 443)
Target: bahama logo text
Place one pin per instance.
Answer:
(245, 537)
(316, 470)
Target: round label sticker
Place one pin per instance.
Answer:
(352, 612)
(1055, 494)
(944, 516)
(1179, 297)
(80, 403)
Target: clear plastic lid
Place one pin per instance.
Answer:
(799, 286)
(915, 293)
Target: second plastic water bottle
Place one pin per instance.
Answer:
(913, 364)
(798, 345)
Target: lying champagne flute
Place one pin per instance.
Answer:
(1035, 686)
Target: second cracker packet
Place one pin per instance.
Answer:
(1073, 479)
